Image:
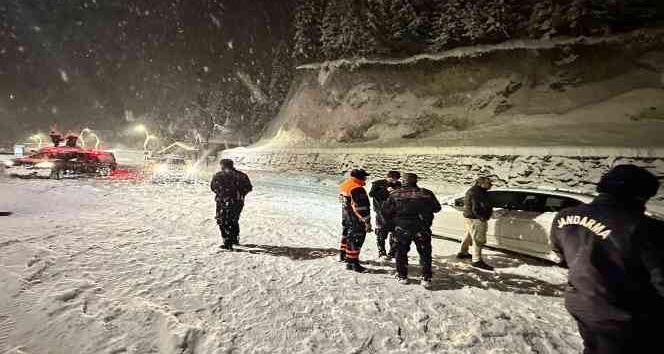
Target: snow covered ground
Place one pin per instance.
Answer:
(120, 267)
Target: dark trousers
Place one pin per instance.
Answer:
(343, 247)
(354, 239)
(612, 337)
(422, 240)
(383, 230)
(228, 219)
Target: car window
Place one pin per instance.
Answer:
(513, 200)
(557, 203)
(504, 199)
(533, 202)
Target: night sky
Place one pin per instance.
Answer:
(108, 64)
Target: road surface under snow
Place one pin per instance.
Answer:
(94, 266)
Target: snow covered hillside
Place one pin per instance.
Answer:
(116, 267)
(564, 92)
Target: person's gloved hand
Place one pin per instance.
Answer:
(367, 227)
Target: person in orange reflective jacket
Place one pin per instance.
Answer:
(355, 218)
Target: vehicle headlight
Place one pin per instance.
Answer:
(45, 164)
(191, 170)
(9, 163)
(161, 168)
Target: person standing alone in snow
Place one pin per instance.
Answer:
(355, 218)
(477, 211)
(411, 210)
(615, 256)
(230, 187)
(380, 191)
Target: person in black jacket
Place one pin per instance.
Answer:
(230, 187)
(477, 210)
(410, 209)
(615, 255)
(380, 191)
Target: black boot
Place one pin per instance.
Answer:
(342, 256)
(358, 267)
(483, 266)
(381, 251)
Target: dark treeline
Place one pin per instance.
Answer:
(331, 29)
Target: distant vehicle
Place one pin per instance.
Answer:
(172, 168)
(63, 162)
(521, 219)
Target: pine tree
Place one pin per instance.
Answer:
(331, 29)
(307, 38)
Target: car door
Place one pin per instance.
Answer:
(530, 223)
(505, 204)
(527, 227)
(449, 222)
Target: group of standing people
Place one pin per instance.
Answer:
(404, 214)
(613, 249)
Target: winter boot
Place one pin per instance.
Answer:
(349, 266)
(402, 280)
(426, 283)
(482, 266)
(358, 267)
(463, 255)
(342, 256)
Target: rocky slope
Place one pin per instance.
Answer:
(581, 92)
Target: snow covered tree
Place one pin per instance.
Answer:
(466, 23)
(344, 30)
(397, 25)
(307, 38)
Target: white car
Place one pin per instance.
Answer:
(521, 219)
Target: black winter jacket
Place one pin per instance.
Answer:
(615, 256)
(230, 186)
(411, 207)
(477, 204)
(379, 192)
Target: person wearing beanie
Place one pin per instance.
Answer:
(615, 256)
(355, 218)
(230, 187)
(380, 191)
(411, 210)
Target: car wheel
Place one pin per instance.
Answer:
(104, 171)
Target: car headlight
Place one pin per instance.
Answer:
(45, 164)
(9, 163)
(161, 168)
(191, 170)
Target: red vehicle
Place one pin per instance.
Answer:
(63, 161)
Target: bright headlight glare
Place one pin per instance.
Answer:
(45, 164)
(192, 170)
(161, 168)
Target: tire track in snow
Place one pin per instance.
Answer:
(6, 328)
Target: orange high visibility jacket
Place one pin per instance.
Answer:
(355, 201)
